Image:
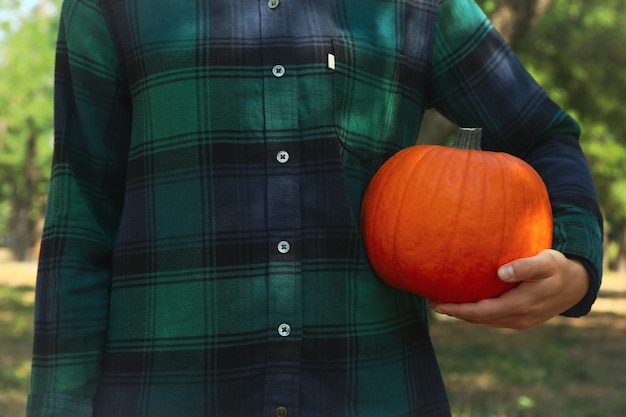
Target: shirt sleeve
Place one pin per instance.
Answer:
(92, 124)
(477, 81)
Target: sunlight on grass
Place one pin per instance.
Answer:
(16, 328)
(564, 368)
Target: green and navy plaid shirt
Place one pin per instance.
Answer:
(201, 254)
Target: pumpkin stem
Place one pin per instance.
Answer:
(468, 138)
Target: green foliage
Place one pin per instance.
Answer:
(27, 39)
(577, 53)
(488, 6)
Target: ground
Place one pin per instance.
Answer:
(565, 367)
(562, 368)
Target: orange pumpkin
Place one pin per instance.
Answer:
(439, 221)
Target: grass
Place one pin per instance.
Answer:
(563, 368)
(16, 328)
(566, 367)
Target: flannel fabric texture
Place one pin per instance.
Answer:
(201, 253)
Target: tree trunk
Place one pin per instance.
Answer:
(22, 223)
(513, 19)
(620, 261)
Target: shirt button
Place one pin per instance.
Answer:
(283, 246)
(278, 71)
(282, 157)
(272, 4)
(280, 412)
(284, 330)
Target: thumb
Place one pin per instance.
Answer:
(523, 269)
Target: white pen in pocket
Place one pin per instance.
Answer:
(331, 61)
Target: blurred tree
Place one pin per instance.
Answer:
(577, 53)
(515, 18)
(26, 63)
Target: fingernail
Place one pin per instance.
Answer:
(506, 273)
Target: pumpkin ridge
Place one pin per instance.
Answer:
(425, 152)
(509, 192)
(389, 165)
(505, 209)
(505, 187)
(373, 222)
(437, 154)
(452, 235)
(399, 277)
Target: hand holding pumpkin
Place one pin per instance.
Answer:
(439, 221)
(469, 230)
(550, 284)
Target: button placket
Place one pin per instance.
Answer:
(284, 214)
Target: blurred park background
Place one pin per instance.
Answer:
(576, 368)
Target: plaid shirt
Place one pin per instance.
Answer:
(201, 254)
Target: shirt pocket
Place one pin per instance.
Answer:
(376, 106)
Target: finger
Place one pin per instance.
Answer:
(510, 321)
(480, 311)
(514, 323)
(513, 303)
(528, 269)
